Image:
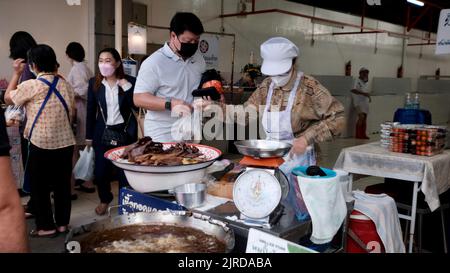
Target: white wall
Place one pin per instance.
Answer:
(51, 22)
(56, 23)
(327, 56)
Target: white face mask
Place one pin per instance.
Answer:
(281, 80)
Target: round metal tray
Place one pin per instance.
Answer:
(263, 148)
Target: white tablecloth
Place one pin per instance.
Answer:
(372, 159)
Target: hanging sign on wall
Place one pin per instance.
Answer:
(443, 34)
(209, 47)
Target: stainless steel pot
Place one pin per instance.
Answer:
(190, 195)
(77, 236)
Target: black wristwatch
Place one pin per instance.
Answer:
(168, 104)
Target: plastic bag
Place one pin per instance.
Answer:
(14, 113)
(84, 169)
(295, 198)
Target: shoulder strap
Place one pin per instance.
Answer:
(104, 119)
(101, 111)
(57, 93)
(49, 93)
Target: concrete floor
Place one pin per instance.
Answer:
(83, 207)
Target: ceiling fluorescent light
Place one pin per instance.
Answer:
(326, 23)
(415, 2)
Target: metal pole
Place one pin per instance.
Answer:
(317, 19)
(233, 51)
(404, 42)
(222, 28)
(413, 216)
(363, 14)
(313, 27)
(118, 25)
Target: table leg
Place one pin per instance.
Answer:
(413, 216)
(350, 184)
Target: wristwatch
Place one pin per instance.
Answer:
(168, 104)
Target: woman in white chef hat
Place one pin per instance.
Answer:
(299, 110)
(296, 108)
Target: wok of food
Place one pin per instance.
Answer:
(147, 152)
(152, 239)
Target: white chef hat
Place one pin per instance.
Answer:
(277, 54)
(362, 69)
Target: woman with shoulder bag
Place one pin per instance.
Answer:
(110, 122)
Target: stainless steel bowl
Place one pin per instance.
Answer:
(190, 195)
(263, 148)
(156, 178)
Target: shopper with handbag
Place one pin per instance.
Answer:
(78, 78)
(110, 121)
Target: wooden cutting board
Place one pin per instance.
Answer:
(223, 187)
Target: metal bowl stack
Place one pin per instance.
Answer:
(385, 136)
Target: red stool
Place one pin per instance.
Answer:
(362, 235)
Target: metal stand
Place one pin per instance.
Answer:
(412, 217)
(421, 212)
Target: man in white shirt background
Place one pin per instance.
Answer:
(167, 78)
(361, 99)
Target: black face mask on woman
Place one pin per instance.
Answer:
(187, 50)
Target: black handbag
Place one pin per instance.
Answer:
(114, 135)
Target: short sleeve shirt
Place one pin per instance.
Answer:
(360, 100)
(53, 128)
(166, 75)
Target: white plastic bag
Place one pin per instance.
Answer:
(84, 169)
(14, 112)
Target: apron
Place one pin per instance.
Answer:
(52, 90)
(278, 126)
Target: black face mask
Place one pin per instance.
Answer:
(187, 50)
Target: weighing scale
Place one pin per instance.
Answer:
(259, 191)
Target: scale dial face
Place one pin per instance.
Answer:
(256, 193)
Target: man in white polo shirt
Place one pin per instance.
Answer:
(167, 78)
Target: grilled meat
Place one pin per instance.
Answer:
(149, 153)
